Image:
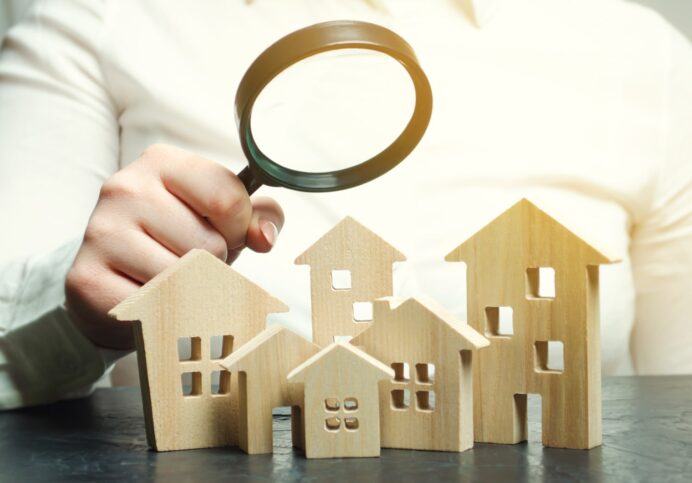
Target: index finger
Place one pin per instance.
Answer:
(211, 190)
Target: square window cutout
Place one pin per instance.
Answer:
(351, 424)
(362, 311)
(350, 404)
(191, 383)
(540, 283)
(402, 371)
(425, 373)
(401, 399)
(549, 356)
(341, 279)
(220, 383)
(499, 322)
(332, 424)
(425, 400)
(189, 349)
(221, 346)
(331, 404)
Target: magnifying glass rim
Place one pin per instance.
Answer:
(310, 41)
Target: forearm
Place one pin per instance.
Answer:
(43, 356)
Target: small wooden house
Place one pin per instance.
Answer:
(341, 402)
(263, 365)
(197, 301)
(532, 289)
(428, 404)
(350, 266)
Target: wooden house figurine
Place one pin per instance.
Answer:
(511, 265)
(428, 404)
(200, 300)
(341, 402)
(350, 266)
(263, 365)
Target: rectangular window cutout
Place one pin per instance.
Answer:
(191, 383)
(189, 349)
(362, 311)
(332, 424)
(351, 424)
(499, 322)
(549, 356)
(402, 372)
(540, 283)
(350, 404)
(343, 338)
(221, 346)
(341, 279)
(425, 373)
(220, 383)
(425, 400)
(401, 399)
(331, 404)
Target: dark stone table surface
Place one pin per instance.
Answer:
(647, 425)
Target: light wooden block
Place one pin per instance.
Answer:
(342, 417)
(503, 261)
(198, 297)
(435, 347)
(263, 365)
(352, 247)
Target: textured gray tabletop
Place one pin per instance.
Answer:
(647, 437)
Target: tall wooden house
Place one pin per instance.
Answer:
(198, 301)
(532, 287)
(428, 404)
(350, 267)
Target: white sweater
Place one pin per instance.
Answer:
(584, 107)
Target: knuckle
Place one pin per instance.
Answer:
(226, 203)
(81, 281)
(216, 245)
(155, 151)
(118, 186)
(98, 230)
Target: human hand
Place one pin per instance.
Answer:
(148, 215)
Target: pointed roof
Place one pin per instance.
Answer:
(203, 268)
(342, 242)
(533, 218)
(242, 359)
(391, 326)
(341, 354)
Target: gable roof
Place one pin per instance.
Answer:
(531, 216)
(240, 360)
(199, 262)
(358, 362)
(388, 324)
(345, 241)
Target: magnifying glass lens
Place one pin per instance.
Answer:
(318, 99)
(333, 110)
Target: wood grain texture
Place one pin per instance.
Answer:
(502, 259)
(436, 347)
(342, 417)
(198, 297)
(347, 246)
(263, 365)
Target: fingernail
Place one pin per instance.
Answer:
(269, 230)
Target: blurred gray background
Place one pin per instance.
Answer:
(677, 12)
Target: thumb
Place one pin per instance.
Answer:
(265, 224)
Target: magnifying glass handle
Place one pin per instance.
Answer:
(249, 181)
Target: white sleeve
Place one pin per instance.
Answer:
(662, 241)
(58, 143)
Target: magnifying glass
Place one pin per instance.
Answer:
(307, 42)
